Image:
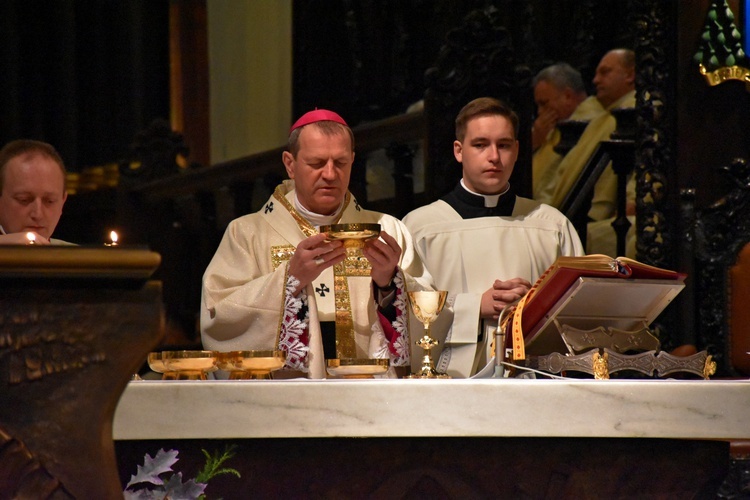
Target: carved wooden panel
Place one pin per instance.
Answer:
(68, 346)
(480, 57)
(717, 235)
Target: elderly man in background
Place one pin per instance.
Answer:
(615, 88)
(276, 282)
(559, 94)
(32, 193)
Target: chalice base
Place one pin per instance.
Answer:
(429, 373)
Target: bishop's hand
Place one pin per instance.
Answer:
(312, 256)
(384, 257)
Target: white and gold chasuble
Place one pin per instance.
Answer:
(246, 304)
(466, 256)
(599, 129)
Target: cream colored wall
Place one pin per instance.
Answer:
(250, 66)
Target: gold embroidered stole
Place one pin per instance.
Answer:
(335, 307)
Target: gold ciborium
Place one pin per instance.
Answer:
(353, 235)
(183, 365)
(426, 306)
(251, 365)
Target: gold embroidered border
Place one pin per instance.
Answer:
(345, 345)
(303, 224)
(356, 264)
(281, 254)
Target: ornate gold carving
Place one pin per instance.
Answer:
(725, 74)
(603, 364)
(599, 364)
(709, 368)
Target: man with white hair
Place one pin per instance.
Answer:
(559, 95)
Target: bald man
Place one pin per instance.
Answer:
(32, 193)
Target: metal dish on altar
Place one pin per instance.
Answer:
(356, 368)
(156, 363)
(188, 365)
(243, 365)
(352, 231)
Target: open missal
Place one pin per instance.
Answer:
(594, 293)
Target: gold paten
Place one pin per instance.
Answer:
(356, 368)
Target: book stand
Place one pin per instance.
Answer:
(601, 326)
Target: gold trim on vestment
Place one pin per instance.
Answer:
(281, 254)
(345, 346)
(355, 264)
(304, 226)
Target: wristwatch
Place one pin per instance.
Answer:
(387, 288)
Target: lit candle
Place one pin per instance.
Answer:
(31, 237)
(113, 239)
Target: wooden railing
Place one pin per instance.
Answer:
(398, 130)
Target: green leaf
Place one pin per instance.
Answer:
(214, 464)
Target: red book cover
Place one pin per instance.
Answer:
(553, 284)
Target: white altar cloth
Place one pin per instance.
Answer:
(679, 409)
(691, 409)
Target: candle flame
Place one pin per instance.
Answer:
(113, 237)
(31, 237)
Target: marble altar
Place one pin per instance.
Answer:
(674, 409)
(507, 438)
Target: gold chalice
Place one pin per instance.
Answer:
(426, 306)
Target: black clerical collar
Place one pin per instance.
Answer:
(470, 205)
